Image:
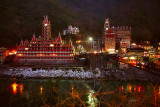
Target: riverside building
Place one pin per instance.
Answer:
(45, 48)
(109, 41)
(122, 36)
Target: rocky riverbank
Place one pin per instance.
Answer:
(110, 74)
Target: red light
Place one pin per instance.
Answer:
(139, 88)
(14, 88)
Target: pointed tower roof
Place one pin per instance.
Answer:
(109, 30)
(59, 37)
(45, 19)
(34, 37)
(25, 42)
(70, 43)
(21, 44)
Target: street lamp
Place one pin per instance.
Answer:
(91, 39)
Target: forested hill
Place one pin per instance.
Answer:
(21, 18)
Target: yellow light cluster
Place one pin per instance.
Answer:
(78, 41)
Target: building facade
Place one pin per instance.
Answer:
(109, 41)
(134, 55)
(122, 36)
(146, 45)
(71, 30)
(45, 48)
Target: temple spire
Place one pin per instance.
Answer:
(46, 19)
(59, 37)
(46, 28)
(106, 24)
(70, 43)
(21, 44)
(34, 37)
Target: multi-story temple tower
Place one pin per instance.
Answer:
(46, 29)
(45, 49)
(106, 25)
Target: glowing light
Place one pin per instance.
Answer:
(135, 88)
(139, 89)
(21, 89)
(54, 54)
(19, 54)
(45, 24)
(92, 101)
(51, 45)
(95, 52)
(14, 88)
(125, 58)
(133, 44)
(129, 88)
(132, 57)
(111, 52)
(78, 41)
(122, 88)
(13, 52)
(72, 87)
(143, 63)
(41, 90)
(90, 38)
(26, 49)
(111, 49)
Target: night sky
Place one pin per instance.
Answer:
(21, 18)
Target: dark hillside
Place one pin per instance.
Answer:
(21, 18)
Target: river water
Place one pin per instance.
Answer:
(69, 93)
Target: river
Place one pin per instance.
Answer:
(89, 93)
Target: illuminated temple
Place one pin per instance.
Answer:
(45, 48)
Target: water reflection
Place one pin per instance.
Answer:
(83, 93)
(41, 90)
(17, 87)
(92, 100)
(21, 89)
(132, 88)
(129, 88)
(14, 88)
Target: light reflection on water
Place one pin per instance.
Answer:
(14, 88)
(26, 90)
(21, 87)
(132, 88)
(17, 88)
(92, 101)
(41, 90)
